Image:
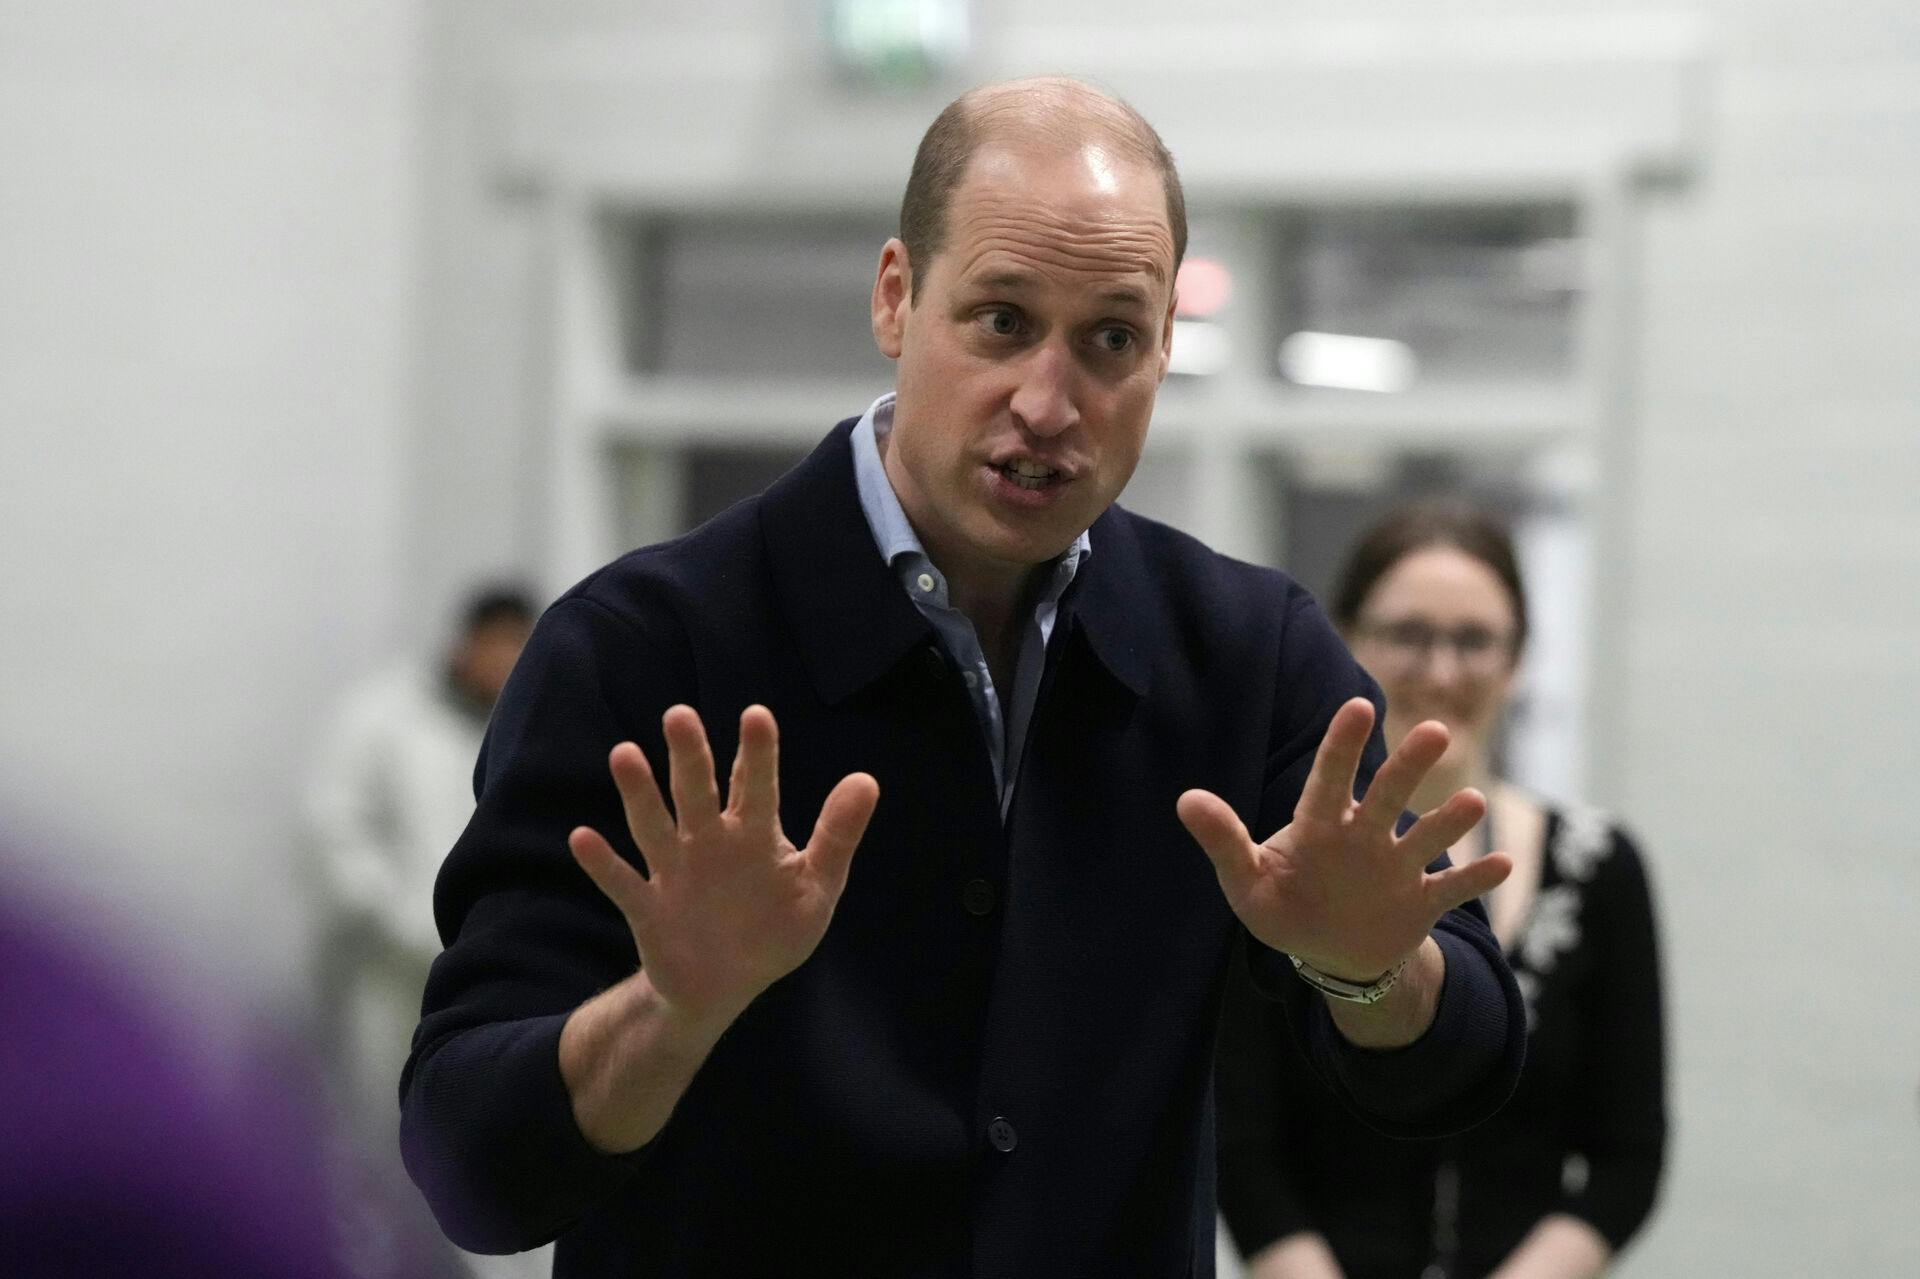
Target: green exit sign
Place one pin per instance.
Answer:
(899, 42)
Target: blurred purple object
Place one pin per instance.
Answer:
(126, 1147)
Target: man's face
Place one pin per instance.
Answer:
(485, 657)
(1029, 363)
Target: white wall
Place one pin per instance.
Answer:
(1773, 641)
(207, 273)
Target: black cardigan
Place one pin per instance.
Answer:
(999, 1060)
(1585, 1132)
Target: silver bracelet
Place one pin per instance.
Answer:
(1352, 992)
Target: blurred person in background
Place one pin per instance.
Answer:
(1552, 1187)
(391, 789)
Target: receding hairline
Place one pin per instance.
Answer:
(1055, 112)
(1044, 113)
(1043, 100)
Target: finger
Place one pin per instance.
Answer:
(647, 816)
(1402, 774)
(1220, 833)
(1461, 884)
(1329, 790)
(837, 831)
(1442, 827)
(696, 796)
(609, 871)
(753, 793)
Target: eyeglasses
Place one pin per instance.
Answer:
(1411, 644)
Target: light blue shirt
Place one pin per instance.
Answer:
(926, 586)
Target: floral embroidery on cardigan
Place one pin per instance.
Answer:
(1581, 842)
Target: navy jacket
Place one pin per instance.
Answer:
(998, 1062)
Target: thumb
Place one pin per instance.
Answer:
(842, 821)
(1220, 833)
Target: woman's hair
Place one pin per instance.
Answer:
(1414, 527)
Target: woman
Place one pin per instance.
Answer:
(1433, 606)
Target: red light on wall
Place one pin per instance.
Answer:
(1203, 287)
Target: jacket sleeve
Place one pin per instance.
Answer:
(1260, 1121)
(1466, 1065)
(487, 1128)
(1618, 1116)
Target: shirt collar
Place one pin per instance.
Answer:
(851, 621)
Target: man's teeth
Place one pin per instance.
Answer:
(1028, 475)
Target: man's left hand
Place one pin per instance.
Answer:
(1336, 888)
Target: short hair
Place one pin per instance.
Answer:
(993, 111)
(498, 602)
(1416, 526)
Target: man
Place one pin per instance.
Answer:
(391, 789)
(968, 1028)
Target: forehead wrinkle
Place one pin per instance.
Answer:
(1080, 219)
(1117, 247)
(982, 267)
(1118, 292)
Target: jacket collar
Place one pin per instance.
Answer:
(1108, 605)
(853, 623)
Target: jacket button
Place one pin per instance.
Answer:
(977, 897)
(1002, 1135)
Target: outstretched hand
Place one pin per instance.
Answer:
(1336, 887)
(729, 905)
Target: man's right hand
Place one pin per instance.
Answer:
(1304, 1255)
(728, 907)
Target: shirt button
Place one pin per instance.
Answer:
(1002, 1135)
(972, 678)
(977, 897)
(925, 581)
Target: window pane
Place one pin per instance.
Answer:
(744, 296)
(1386, 299)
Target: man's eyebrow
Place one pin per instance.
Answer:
(1014, 281)
(1126, 295)
(1006, 279)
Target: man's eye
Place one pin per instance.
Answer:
(1001, 322)
(1113, 339)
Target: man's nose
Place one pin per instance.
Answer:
(1044, 399)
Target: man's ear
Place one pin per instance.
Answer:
(892, 298)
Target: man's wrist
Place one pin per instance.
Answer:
(1369, 991)
(635, 1015)
(1405, 1013)
(626, 1055)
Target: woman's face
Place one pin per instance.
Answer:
(1438, 631)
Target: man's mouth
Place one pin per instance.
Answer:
(1028, 475)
